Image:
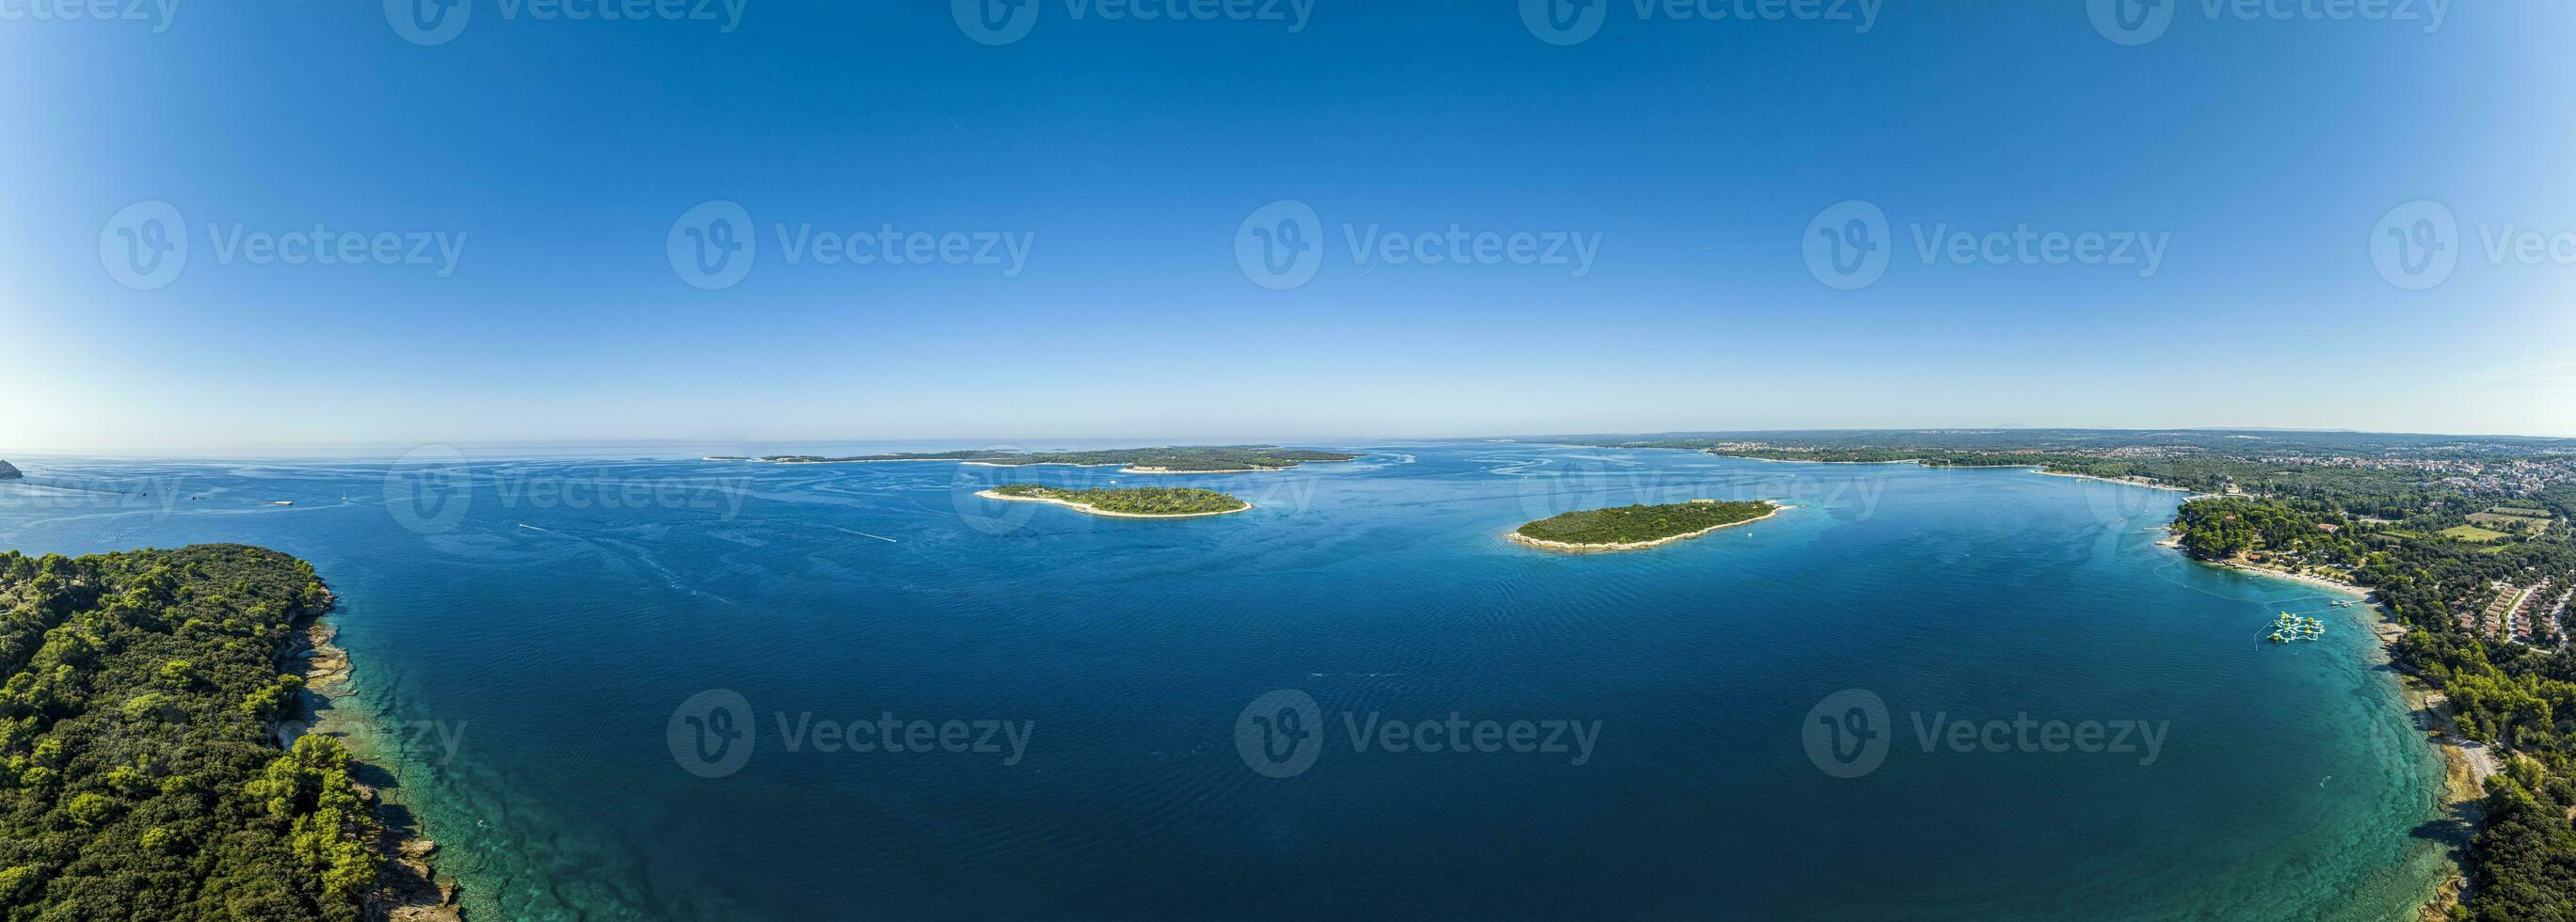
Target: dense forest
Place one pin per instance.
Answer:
(140, 776)
(1219, 458)
(1134, 500)
(1632, 524)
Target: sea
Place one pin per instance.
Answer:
(624, 682)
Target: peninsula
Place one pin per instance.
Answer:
(149, 767)
(1125, 503)
(1628, 528)
(1229, 459)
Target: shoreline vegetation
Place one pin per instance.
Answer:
(1228, 459)
(1126, 503)
(1631, 528)
(153, 758)
(2467, 545)
(2463, 542)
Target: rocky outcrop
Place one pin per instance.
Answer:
(7, 472)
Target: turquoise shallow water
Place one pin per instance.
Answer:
(532, 634)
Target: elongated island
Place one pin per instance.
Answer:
(1629, 528)
(1126, 502)
(1227, 459)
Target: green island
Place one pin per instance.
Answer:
(1230, 459)
(1126, 502)
(141, 775)
(2466, 542)
(1625, 528)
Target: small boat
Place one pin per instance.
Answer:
(281, 502)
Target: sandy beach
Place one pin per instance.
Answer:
(1166, 470)
(1095, 510)
(2149, 484)
(1570, 548)
(1797, 461)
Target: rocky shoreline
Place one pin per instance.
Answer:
(408, 889)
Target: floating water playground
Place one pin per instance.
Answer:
(2291, 627)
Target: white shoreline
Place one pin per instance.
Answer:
(1798, 461)
(1095, 510)
(1571, 548)
(2131, 483)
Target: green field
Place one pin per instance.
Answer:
(2474, 534)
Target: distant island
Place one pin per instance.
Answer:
(7, 472)
(1628, 528)
(1229, 459)
(1125, 503)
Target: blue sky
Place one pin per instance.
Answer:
(2260, 150)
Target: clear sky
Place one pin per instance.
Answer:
(1667, 176)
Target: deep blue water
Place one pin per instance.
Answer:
(524, 631)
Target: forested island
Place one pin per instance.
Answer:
(140, 769)
(1229, 459)
(1626, 528)
(1126, 502)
